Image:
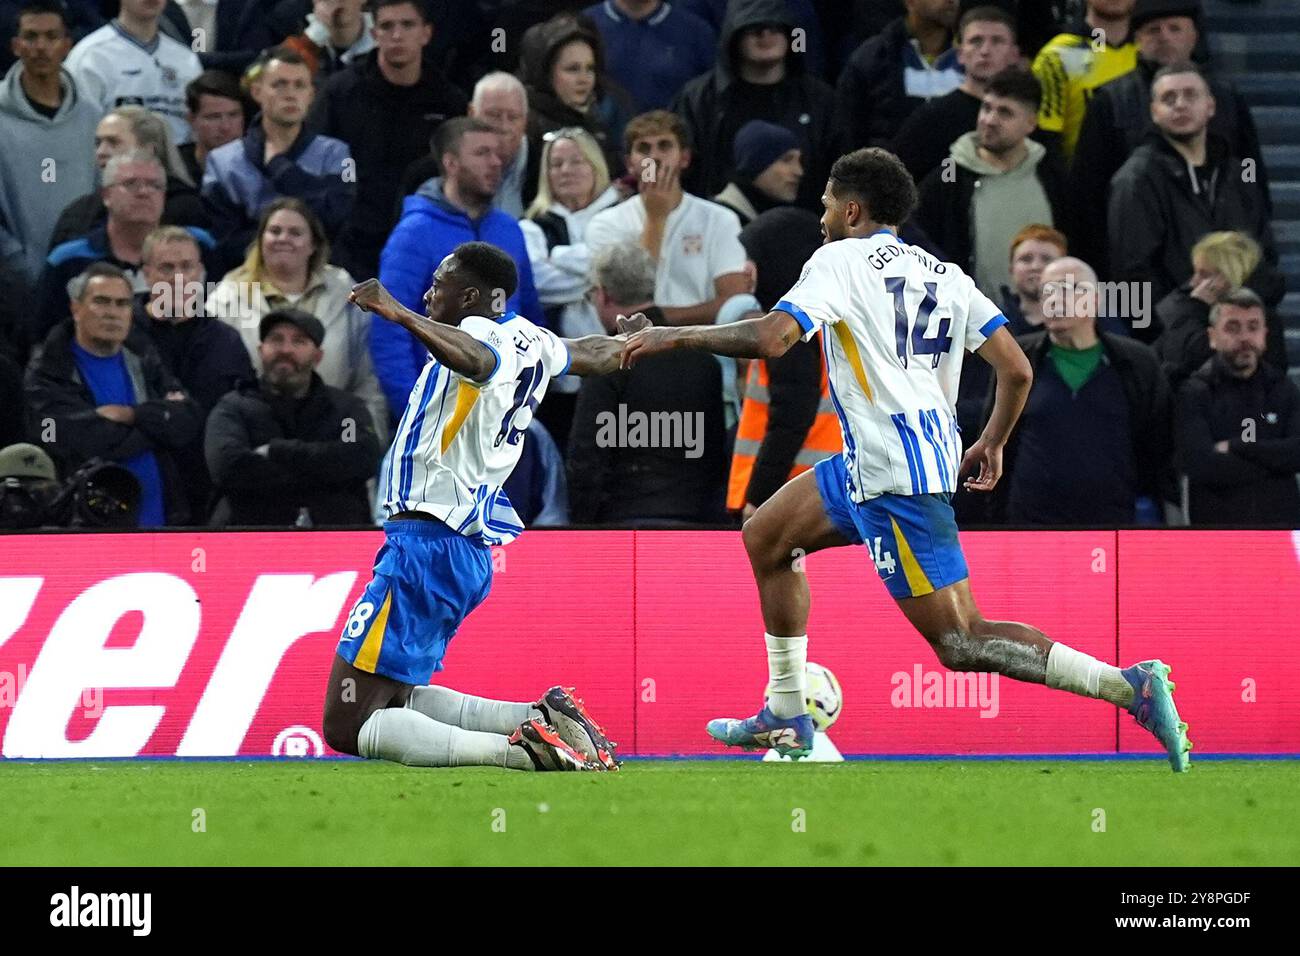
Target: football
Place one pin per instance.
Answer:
(824, 698)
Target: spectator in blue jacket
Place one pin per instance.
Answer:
(278, 156)
(444, 212)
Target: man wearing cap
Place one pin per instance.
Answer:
(1119, 118)
(768, 170)
(94, 393)
(290, 449)
(28, 485)
(759, 76)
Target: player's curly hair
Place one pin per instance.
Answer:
(487, 266)
(878, 180)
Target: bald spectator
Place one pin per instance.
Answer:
(46, 123)
(1092, 446)
(131, 60)
(109, 396)
(910, 62)
(986, 45)
(1239, 426)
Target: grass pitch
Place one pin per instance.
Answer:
(651, 813)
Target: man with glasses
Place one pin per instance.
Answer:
(279, 156)
(385, 107)
(133, 192)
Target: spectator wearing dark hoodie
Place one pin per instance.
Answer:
(1000, 182)
(385, 107)
(910, 62)
(46, 123)
(444, 212)
(125, 130)
(803, 12)
(1181, 183)
(768, 170)
(563, 72)
(1119, 118)
(278, 156)
(653, 48)
(757, 76)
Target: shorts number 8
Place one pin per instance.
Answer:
(357, 620)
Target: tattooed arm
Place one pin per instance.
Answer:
(768, 337)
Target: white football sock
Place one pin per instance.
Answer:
(787, 657)
(1079, 673)
(469, 712)
(409, 737)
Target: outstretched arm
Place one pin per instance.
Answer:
(601, 354)
(459, 351)
(768, 337)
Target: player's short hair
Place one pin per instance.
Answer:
(78, 284)
(487, 266)
(1232, 253)
(36, 8)
(1242, 298)
(421, 10)
(986, 14)
(1177, 69)
(447, 137)
(1017, 83)
(1039, 232)
(654, 123)
(626, 271)
(878, 180)
(212, 83)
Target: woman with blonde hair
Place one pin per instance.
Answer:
(573, 185)
(1222, 263)
(288, 266)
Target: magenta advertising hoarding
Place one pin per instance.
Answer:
(208, 644)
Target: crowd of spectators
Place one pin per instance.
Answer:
(189, 190)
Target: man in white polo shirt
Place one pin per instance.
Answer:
(700, 263)
(130, 61)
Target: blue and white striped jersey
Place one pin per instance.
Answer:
(897, 326)
(459, 440)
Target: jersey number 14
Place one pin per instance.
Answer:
(920, 345)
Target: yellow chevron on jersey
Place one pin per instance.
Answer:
(1070, 68)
